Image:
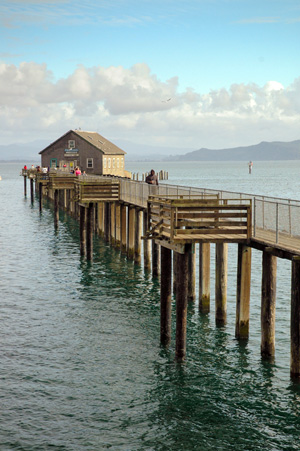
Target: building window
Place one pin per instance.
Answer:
(122, 162)
(71, 144)
(104, 162)
(89, 163)
(118, 163)
(114, 163)
(109, 163)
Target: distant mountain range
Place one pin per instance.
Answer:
(29, 152)
(263, 151)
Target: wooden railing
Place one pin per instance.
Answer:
(192, 219)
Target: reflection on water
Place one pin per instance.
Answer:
(81, 363)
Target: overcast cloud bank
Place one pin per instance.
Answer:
(134, 104)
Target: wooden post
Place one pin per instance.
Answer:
(123, 229)
(138, 234)
(268, 304)
(56, 209)
(89, 231)
(192, 274)
(221, 283)
(131, 232)
(25, 185)
(31, 191)
(83, 225)
(243, 292)
(106, 221)
(40, 197)
(175, 254)
(165, 296)
(155, 259)
(147, 243)
(295, 319)
(112, 223)
(181, 304)
(204, 277)
(101, 218)
(118, 225)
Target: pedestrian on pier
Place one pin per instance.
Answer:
(152, 179)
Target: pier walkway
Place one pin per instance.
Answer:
(174, 219)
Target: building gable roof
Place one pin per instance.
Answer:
(96, 140)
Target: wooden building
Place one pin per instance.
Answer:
(89, 151)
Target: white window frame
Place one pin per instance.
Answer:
(118, 163)
(88, 161)
(114, 163)
(104, 163)
(71, 144)
(109, 163)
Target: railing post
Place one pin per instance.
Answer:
(254, 216)
(277, 218)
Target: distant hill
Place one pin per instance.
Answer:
(263, 151)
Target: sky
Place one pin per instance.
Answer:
(161, 73)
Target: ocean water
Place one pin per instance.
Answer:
(81, 367)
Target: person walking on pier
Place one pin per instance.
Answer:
(152, 179)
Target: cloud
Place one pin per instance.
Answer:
(130, 104)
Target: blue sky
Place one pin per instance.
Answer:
(230, 67)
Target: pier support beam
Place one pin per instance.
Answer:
(221, 283)
(123, 229)
(89, 231)
(100, 218)
(192, 274)
(106, 221)
(25, 185)
(31, 191)
(295, 319)
(181, 304)
(147, 243)
(155, 259)
(268, 304)
(40, 197)
(118, 225)
(138, 234)
(82, 231)
(56, 208)
(131, 232)
(243, 292)
(165, 295)
(112, 206)
(204, 277)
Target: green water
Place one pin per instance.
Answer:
(82, 367)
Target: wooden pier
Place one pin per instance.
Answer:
(168, 221)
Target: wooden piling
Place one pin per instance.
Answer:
(295, 319)
(192, 274)
(100, 218)
(106, 221)
(243, 292)
(221, 283)
(123, 229)
(89, 231)
(118, 225)
(204, 277)
(112, 223)
(137, 236)
(155, 259)
(147, 243)
(175, 254)
(82, 228)
(165, 296)
(268, 304)
(31, 191)
(40, 197)
(25, 185)
(181, 304)
(56, 209)
(131, 232)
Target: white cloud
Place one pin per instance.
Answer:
(134, 104)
